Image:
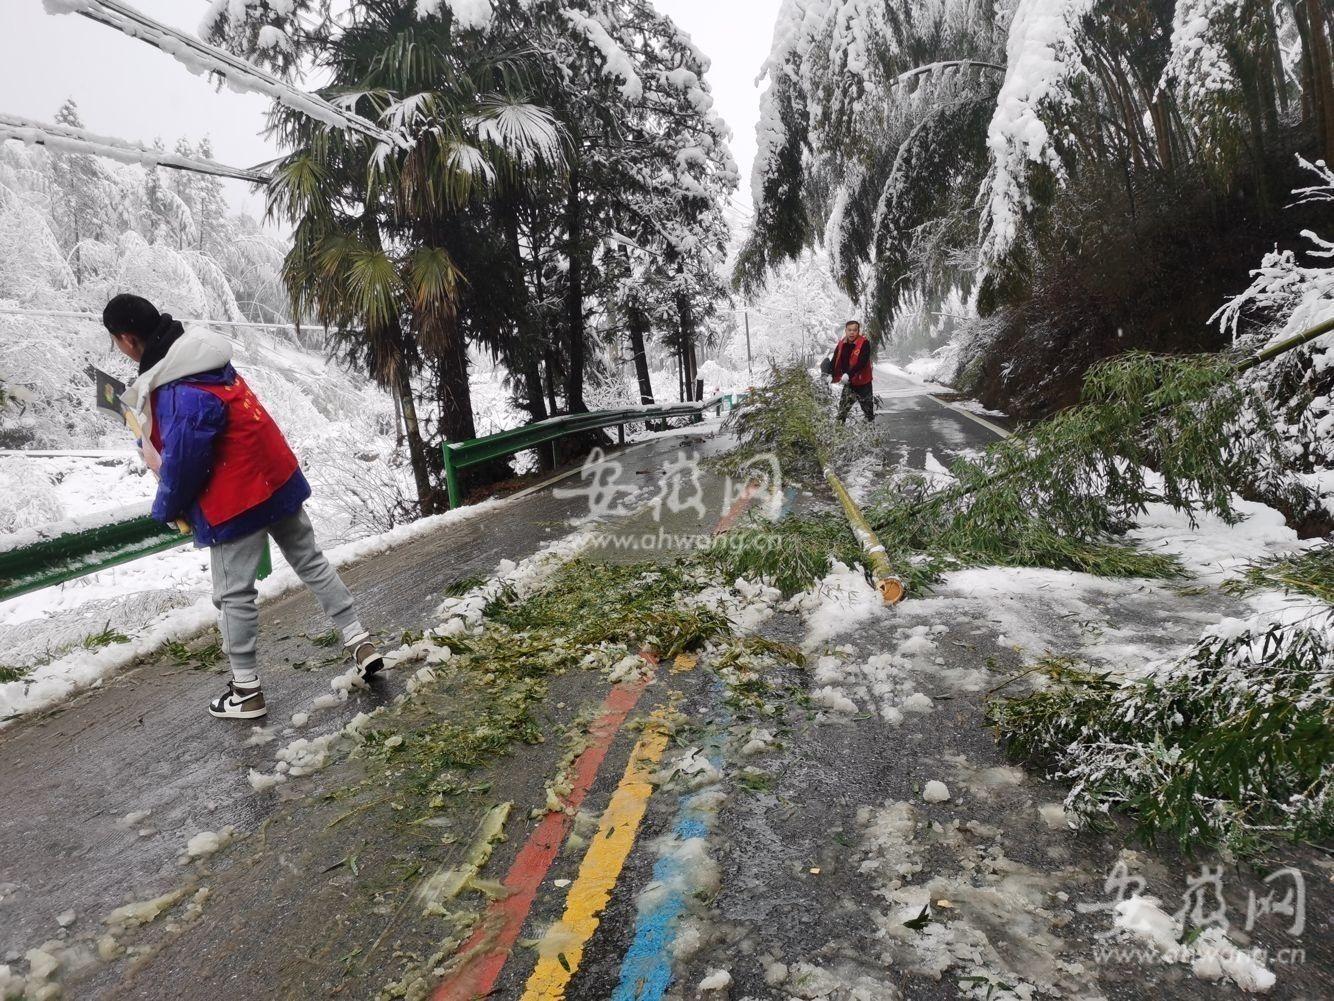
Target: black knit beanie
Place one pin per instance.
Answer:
(131, 314)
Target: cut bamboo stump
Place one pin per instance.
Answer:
(882, 574)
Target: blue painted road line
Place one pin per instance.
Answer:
(646, 970)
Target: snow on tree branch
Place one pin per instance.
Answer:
(530, 134)
(204, 59)
(66, 139)
(1321, 192)
(473, 14)
(615, 62)
(1041, 63)
(1282, 288)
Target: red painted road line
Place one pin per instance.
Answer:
(485, 952)
(489, 946)
(735, 512)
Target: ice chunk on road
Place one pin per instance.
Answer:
(11, 984)
(716, 980)
(918, 703)
(1055, 817)
(261, 782)
(205, 843)
(1212, 956)
(1142, 917)
(1218, 958)
(935, 792)
(345, 682)
(842, 602)
(832, 698)
(41, 964)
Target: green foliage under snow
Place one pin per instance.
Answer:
(789, 417)
(1060, 494)
(1310, 573)
(1230, 745)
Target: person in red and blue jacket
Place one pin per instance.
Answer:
(852, 367)
(225, 469)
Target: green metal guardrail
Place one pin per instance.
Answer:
(461, 454)
(77, 554)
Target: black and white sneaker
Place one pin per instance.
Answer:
(365, 655)
(239, 702)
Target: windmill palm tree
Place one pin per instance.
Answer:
(371, 257)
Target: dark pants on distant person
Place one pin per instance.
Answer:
(862, 395)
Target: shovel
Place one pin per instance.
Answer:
(109, 390)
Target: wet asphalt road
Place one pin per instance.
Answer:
(142, 743)
(808, 849)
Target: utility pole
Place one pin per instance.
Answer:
(746, 313)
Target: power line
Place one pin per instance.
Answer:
(71, 314)
(69, 139)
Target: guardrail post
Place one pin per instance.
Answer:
(451, 477)
(620, 434)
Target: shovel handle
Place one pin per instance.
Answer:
(132, 422)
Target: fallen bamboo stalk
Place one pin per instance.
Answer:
(1238, 368)
(886, 581)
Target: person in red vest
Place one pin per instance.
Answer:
(225, 468)
(852, 367)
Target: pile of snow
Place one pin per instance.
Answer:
(842, 602)
(747, 604)
(1211, 956)
(207, 843)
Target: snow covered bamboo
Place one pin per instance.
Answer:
(201, 58)
(1287, 344)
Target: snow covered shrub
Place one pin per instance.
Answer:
(1287, 296)
(1310, 573)
(358, 481)
(1230, 745)
(610, 393)
(31, 262)
(25, 500)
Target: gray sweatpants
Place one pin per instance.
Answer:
(235, 565)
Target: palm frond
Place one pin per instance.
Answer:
(526, 132)
(373, 286)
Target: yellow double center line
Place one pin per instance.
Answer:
(562, 947)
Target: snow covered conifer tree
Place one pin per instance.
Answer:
(79, 203)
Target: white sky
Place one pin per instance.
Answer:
(127, 89)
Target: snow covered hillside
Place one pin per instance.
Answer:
(73, 232)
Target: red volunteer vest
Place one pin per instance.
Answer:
(251, 458)
(851, 358)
